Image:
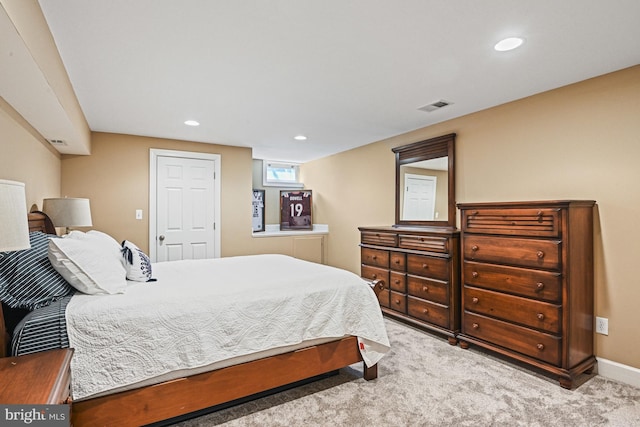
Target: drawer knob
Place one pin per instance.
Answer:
(475, 274)
(539, 286)
(540, 316)
(540, 346)
(397, 281)
(397, 301)
(425, 289)
(374, 257)
(475, 213)
(425, 266)
(374, 275)
(474, 248)
(397, 261)
(474, 300)
(425, 311)
(475, 326)
(540, 254)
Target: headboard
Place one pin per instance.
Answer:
(10, 317)
(39, 221)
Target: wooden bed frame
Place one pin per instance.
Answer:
(182, 396)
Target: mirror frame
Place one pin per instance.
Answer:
(425, 150)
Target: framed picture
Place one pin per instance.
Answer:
(295, 210)
(257, 223)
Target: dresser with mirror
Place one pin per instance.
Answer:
(417, 259)
(517, 280)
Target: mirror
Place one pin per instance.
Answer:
(425, 183)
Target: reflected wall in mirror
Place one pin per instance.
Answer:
(425, 186)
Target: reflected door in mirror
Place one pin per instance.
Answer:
(425, 192)
(419, 197)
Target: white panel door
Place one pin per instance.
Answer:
(419, 197)
(185, 211)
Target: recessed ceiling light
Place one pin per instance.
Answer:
(191, 123)
(300, 138)
(508, 44)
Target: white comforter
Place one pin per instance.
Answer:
(204, 311)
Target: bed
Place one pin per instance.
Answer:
(211, 374)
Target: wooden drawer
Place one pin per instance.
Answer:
(398, 281)
(398, 302)
(424, 243)
(398, 261)
(537, 284)
(428, 311)
(375, 257)
(429, 289)
(375, 273)
(535, 253)
(543, 222)
(535, 344)
(379, 238)
(436, 268)
(525, 311)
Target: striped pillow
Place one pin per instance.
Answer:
(27, 279)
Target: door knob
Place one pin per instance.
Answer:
(161, 237)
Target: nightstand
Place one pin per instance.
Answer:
(38, 378)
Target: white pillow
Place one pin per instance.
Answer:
(136, 262)
(89, 262)
(98, 237)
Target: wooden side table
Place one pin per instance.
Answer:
(38, 378)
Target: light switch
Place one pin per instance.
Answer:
(138, 213)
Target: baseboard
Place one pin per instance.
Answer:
(619, 372)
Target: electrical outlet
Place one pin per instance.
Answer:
(602, 325)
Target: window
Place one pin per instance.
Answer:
(280, 174)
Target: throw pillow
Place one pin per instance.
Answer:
(136, 263)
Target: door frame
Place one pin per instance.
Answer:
(154, 153)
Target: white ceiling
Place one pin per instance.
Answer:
(345, 73)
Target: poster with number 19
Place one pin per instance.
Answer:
(295, 210)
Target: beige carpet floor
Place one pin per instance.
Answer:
(424, 381)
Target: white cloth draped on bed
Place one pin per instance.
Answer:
(204, 311)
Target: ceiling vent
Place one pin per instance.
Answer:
(435, 106)
(57, 142)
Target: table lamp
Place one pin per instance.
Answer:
(14, 225)
(68, 212)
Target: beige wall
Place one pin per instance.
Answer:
(26, 157)
(577, 142)
(116, 179)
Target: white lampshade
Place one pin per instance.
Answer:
(14, 225)
(68, 212)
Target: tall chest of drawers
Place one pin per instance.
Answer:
(527, 277)
(419, 268)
